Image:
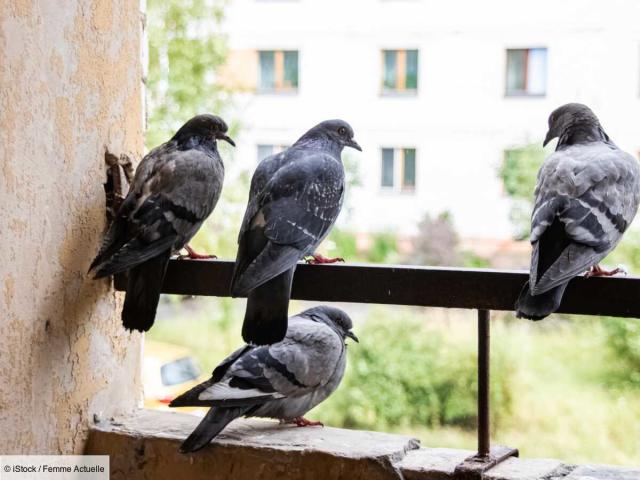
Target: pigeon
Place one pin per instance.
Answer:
(587, 194)
(282, 381)
(175, 188)
(294, 200)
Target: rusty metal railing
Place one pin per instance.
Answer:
(481, 290)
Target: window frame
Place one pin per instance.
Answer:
(524, 93)
(400, 72)
(398, 170)
(279, 72)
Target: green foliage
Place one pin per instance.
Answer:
(342, 243)
(471, 260)
(403, 374)
(623, 342)
(518, 173)
(383, 248)
(185, 48)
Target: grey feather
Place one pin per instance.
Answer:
(284, 380)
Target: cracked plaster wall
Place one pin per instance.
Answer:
(70, 88)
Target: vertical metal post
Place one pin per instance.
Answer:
(484, 445)
(474, 467)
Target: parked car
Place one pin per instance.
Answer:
(168, 370)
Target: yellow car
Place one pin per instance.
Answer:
(168, 370)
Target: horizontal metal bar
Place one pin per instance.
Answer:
(411, 285)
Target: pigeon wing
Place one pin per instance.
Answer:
(306, 359)
(586, 197)
(293, 213)
(171, 195)
(238, 381)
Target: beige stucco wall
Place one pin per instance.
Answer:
(70, 87)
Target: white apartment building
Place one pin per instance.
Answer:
(435, 91)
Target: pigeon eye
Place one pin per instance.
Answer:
(342, 131)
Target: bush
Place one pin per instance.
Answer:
(383, 248)
(436, 242)
(341, 243)
(403, 374)
(623, 342)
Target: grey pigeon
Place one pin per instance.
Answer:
(294, 200)
(587, 194)
(283, 381)
(175, 188)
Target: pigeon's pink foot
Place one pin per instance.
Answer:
(317, 259)
(192, 254)
(303, 422)
(598, 271)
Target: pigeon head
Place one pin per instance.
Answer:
(574, 123)
(206, 126)
(335, 318)
(330, 133)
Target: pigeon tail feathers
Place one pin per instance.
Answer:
(537, 307)
(211, 425)
(143, 293)
(266, 317)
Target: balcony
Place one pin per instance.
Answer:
(251, 446)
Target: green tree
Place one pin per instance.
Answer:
(186, 47)
(518, 173)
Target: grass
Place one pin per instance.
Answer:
(563, 405)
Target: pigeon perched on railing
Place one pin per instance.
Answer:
(175, 188)
(587, 195)
(295, 198)
(283, 381)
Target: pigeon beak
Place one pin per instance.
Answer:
(226, 139)
(352, 336)
(353, 144)
(550, 136)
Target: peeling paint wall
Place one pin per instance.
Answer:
(70, 88)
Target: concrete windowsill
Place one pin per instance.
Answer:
(145, 445)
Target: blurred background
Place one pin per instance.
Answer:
(449, 101)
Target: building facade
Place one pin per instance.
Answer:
(437, 92)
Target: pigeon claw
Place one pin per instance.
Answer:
(598, 271)
(303, 422)
(193, 255)
(317, 259)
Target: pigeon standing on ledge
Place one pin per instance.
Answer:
(283, 381)
(175, 188)
(295, 199)
(587, 195)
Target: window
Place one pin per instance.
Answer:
(400, 71)
(398, 163)
(278, 70)
(264, 150)
(387, 167)
(526, 71)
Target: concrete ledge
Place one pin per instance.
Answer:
(145, 446)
